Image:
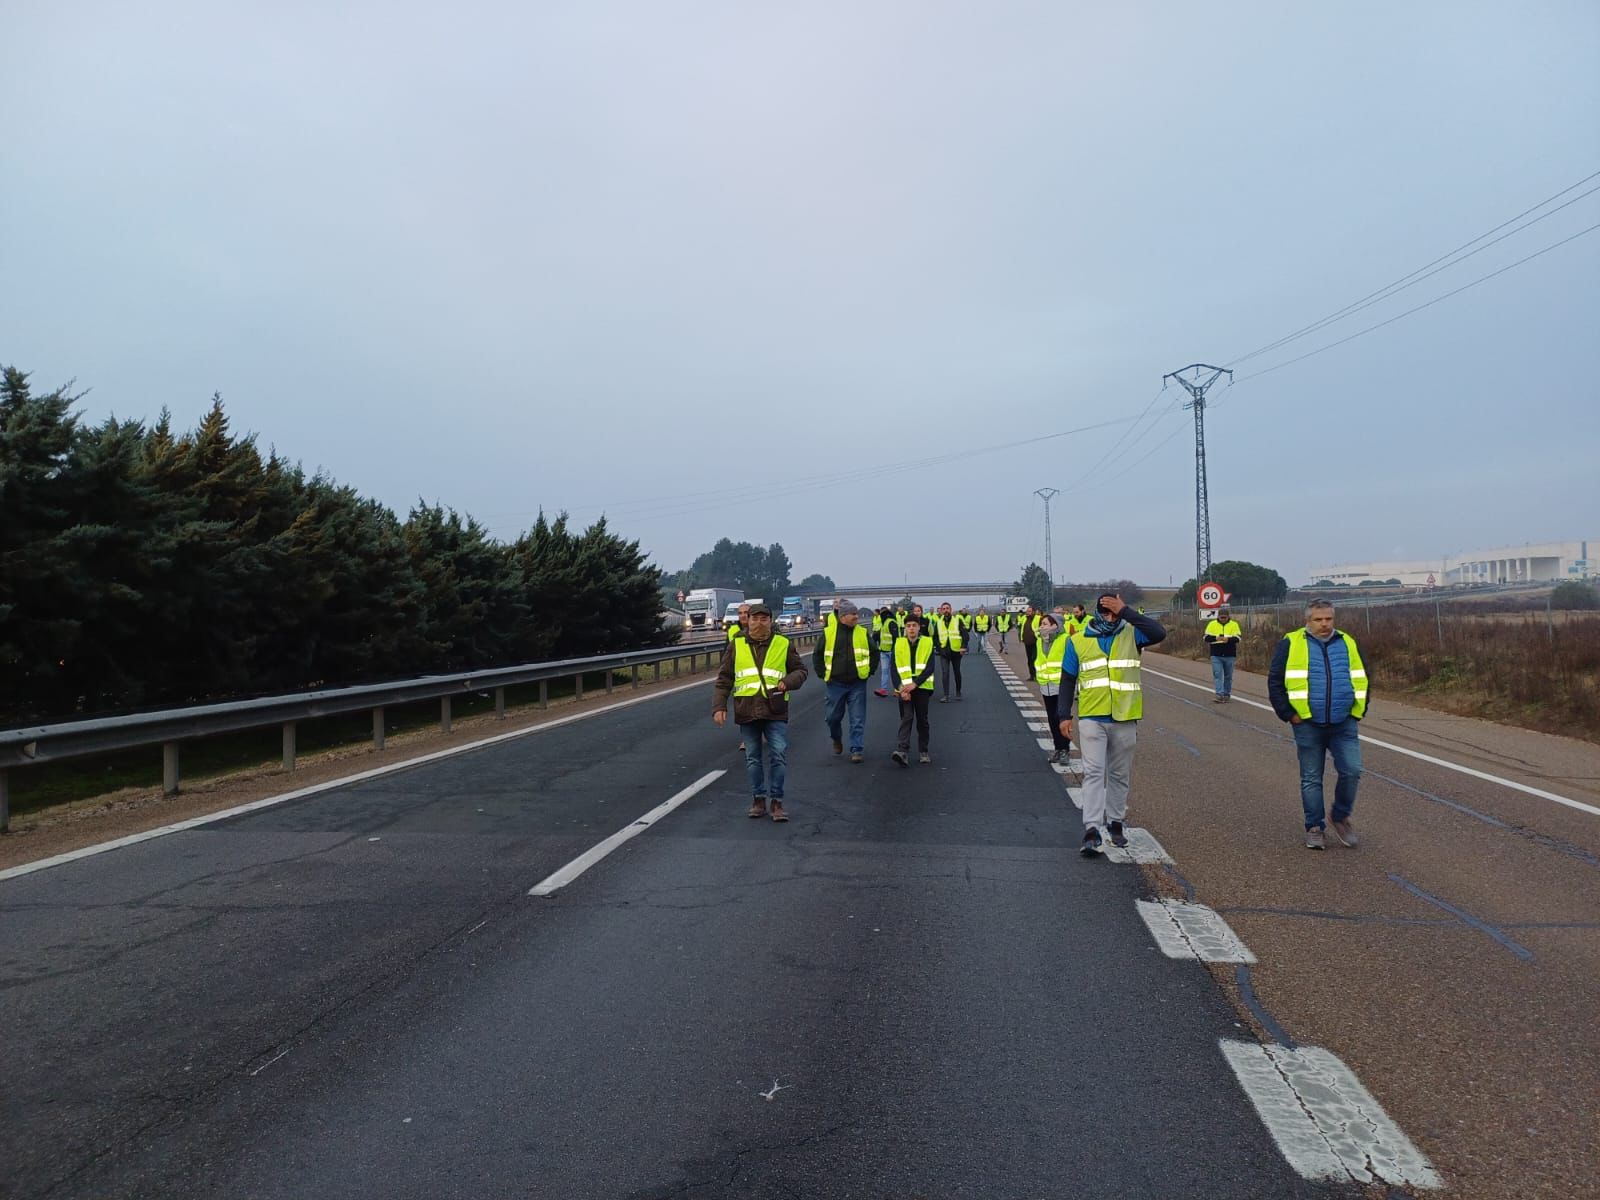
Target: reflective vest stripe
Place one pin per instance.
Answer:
(903, 664)
(1108, 683)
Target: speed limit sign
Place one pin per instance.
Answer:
(1210, 595)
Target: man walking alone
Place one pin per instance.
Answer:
(1102, 662)
(760, 671)
(1318, 683)
(1223, 635)
(844, 660)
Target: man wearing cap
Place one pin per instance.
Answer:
(759, 671)
(844, 660)
(1223, 635)
(1101, 663)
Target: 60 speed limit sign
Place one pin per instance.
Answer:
(1210, 595)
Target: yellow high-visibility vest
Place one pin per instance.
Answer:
(903, 663)
(863, 650)
(751, 680)
(1047, 666)
(1297, 674)
(1108, 684)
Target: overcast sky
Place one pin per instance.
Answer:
(717, 269)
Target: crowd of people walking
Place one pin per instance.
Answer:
(1087, 668)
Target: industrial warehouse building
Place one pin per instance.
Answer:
(1533, 563)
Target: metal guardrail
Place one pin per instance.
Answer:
(168, 728)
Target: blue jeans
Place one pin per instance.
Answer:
(1222, 675)
(885, 661)
(854, 697)
(770, 782)
(1312, 743)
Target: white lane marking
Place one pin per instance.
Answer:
(1185, 930)
(1038, 727)
(1324, 1122)
(270, 1061)
(554, 883)
(299, 794)
(1045, 743)
(1075, 794)
(1427, 758)
(1142, 847)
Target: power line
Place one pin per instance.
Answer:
(1399, 316)
(1417, 275)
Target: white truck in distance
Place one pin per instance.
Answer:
(705, 606)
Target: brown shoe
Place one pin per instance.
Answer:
(1345, 831)
(758, 807)
(777, 811)
(838, 746)
(858, 757)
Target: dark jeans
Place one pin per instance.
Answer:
(1313, 744)
(948, 664)
(1030, 649)
(916, 709)
(1222, 674)
(851, 696)
(776, 735)
(1051, 706)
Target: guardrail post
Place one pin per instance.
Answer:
(5, 803)
(377, 728)
(169, 768)
(657, 665)
(444, 714)
(544, 693)
(578, 695)
(499, 704)
(633, 673)
(609, 681)
(288, 745)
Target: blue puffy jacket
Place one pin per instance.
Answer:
(1327, 683)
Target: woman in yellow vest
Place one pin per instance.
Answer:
(1101, 663)
(888, 630)
(1052, 647)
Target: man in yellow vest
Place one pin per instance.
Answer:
(1002, 623)
(844, 660)
(759, 671)
(1318, 683)
(1223, 636)
(736, 630)
(1101, 662)
(1028, 630)
(913, 683)
(949, 633)
(982, 622)
(888, 630)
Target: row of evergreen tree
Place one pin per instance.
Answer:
(139, 567)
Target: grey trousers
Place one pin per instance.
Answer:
(1107, 749)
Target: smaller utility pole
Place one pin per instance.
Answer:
(1047, 494)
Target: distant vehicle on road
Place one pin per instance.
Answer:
(798, 612)
(705, 606)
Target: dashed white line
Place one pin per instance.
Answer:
(1185, 930)
(1142, 847)
(1324, 1122)
(1045, 743)
(554, 883)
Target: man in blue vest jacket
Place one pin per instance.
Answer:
(1318, 683)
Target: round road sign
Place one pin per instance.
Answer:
(1210, 595)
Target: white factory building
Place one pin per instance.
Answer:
(1532, 563)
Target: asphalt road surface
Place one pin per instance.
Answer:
(914, 988)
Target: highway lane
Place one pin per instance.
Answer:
(1453, 960)
(353, 995)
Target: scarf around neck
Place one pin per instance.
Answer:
(1101, 627)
